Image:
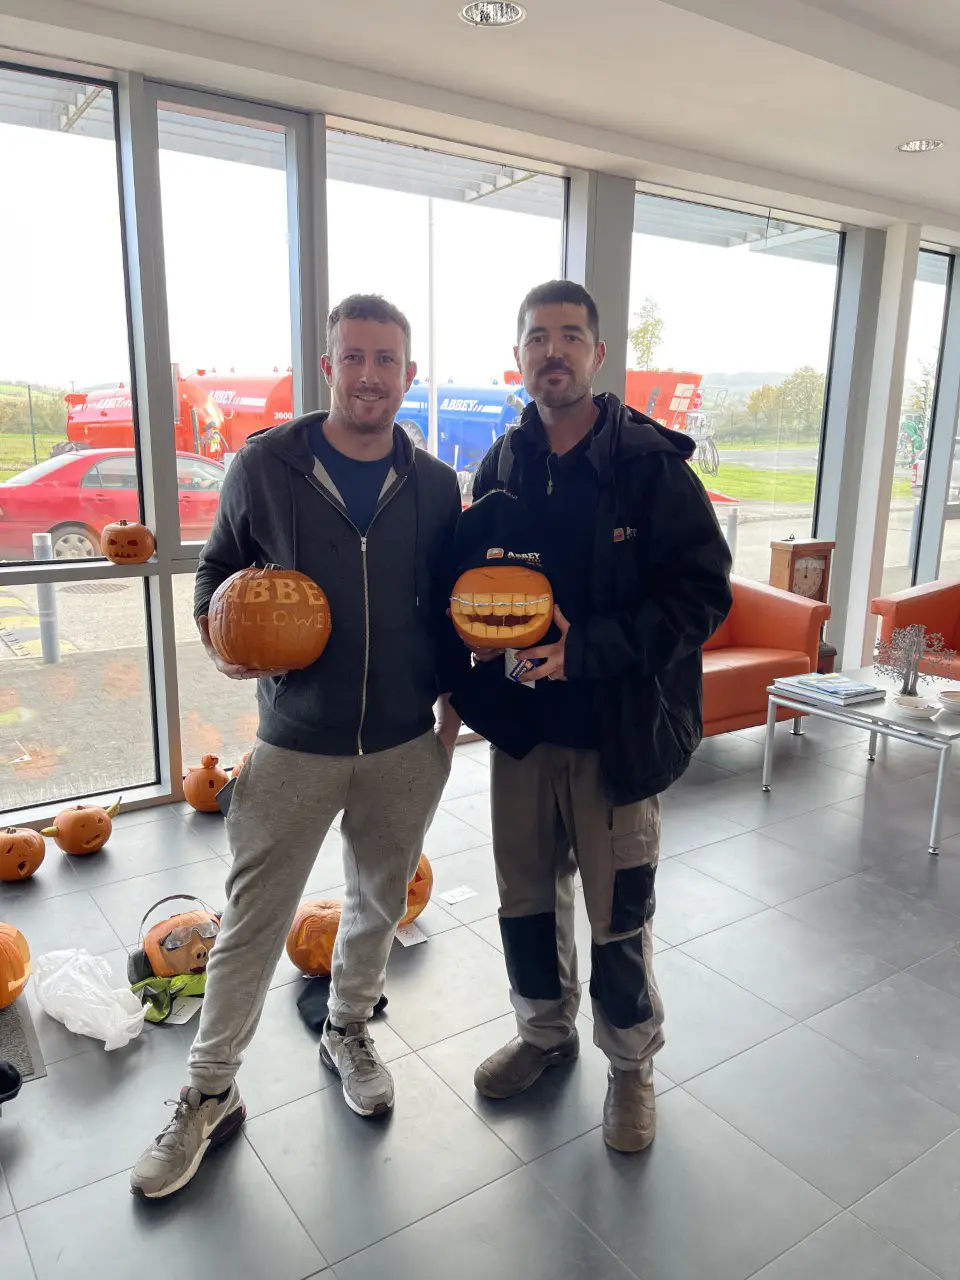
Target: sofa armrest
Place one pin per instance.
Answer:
(935, 604)
(768, 618)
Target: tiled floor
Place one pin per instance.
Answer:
(809, 956)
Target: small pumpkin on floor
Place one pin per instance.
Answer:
(201, 784)
(177, 946)
(21, 851)
(14, 964)
(418, 891)
(83, 828)
(235, 771)
(312, 935)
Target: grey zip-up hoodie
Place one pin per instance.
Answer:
(392, 649)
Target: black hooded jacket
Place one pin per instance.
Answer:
(659, 588)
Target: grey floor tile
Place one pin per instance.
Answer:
(435, 918)
(328, 868)
(763, 868)
(870, 915)
(907, 1028)
(472, 809)
(56, 1042)
(478, 751)
(448, 834)
(895, 762)
(703, 1201)
(708, 1019)
(833, 834)
(91, 1115)
(6, 1203)
(468, 777)
(844, 1250)
(234, 1222)
(797, 787)
(788, 964)
(563, 1104)
(208, 827)
(942, 970)
(730, 752)
(489, 930)
(72, 920)
(13, 1252)
(352, 1182)
(818, 736)
(905, 806)
(684, 826)
(124, 904)
(700, 773)
(470, 869)
(515, 1227)
(690, 904)
(917, 1210)
(283, 1060)
(824, 1113)
(928, 879)
(468, 972)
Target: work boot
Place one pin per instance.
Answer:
(630, 1110)
(518, 1065)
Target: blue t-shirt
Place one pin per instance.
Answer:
(359, 483)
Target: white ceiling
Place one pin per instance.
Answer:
(807, 98)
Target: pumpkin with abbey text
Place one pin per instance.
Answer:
(418, 891)
(14, 964)
(312, 936)
(269, 619)
(202, 783)
(21, 851)
(501, 606)
(83, 828)
(127, 542)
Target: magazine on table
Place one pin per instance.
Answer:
(833, 687)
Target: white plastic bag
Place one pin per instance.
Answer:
(75, 988)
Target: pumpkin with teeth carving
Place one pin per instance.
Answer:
(502, 606)
(127, 542)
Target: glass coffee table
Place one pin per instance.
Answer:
(878, 719)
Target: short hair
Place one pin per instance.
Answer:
(368, 306)
(554, 291)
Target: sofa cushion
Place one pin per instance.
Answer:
(735, 680)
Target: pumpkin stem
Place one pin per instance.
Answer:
(209, 762)
(114, 808)
(48, 831)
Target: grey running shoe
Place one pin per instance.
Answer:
(174, 1156)
(518, 1065)
(630, 1109)
(367, 1084)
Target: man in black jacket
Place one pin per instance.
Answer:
(612, 713)
(344, 498)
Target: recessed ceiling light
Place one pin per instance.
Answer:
(921, 144)
(493, 15)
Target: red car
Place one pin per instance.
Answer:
(73, 495)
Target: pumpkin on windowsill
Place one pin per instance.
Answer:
(83, 828)
(269, 619)
(127, 542)
(14, 964)
(21, 851)
(201, 784)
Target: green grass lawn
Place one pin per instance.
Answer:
(16, 450)
(752, 485)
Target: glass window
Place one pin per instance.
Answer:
(919, 388)
(452, 241)
(950, 552)
(64, 354)
(116, 472)
(731, 322)
(223, 185)
(50, 749)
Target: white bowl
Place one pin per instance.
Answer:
(915, 708)
(950, 701)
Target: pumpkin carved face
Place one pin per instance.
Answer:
(502, 606)
(127, 542)
(418, 891)
(181, 944)
(269, 620)
(202, 783)
(14, 964)
(21, 852)
(312, 935)
(83, 828)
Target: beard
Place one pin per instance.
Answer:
(561, 397)
(375, 426)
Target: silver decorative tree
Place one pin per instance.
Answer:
(900, 657)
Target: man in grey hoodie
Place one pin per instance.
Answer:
(344, 498)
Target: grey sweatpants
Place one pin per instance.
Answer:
(282, 808)
(551, 817)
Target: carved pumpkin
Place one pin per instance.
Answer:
(312, 935)
(127, 542)
(14, 964)
(83, 828)
(182, 943)
(269, 619)
(502, 606)
(235, 772)
(21, 852)
(202, 783)
(418, 891)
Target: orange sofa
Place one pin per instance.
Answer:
(936, 605)
(768, 633)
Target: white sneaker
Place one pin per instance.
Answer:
(367, 1084)
(174, 1156)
